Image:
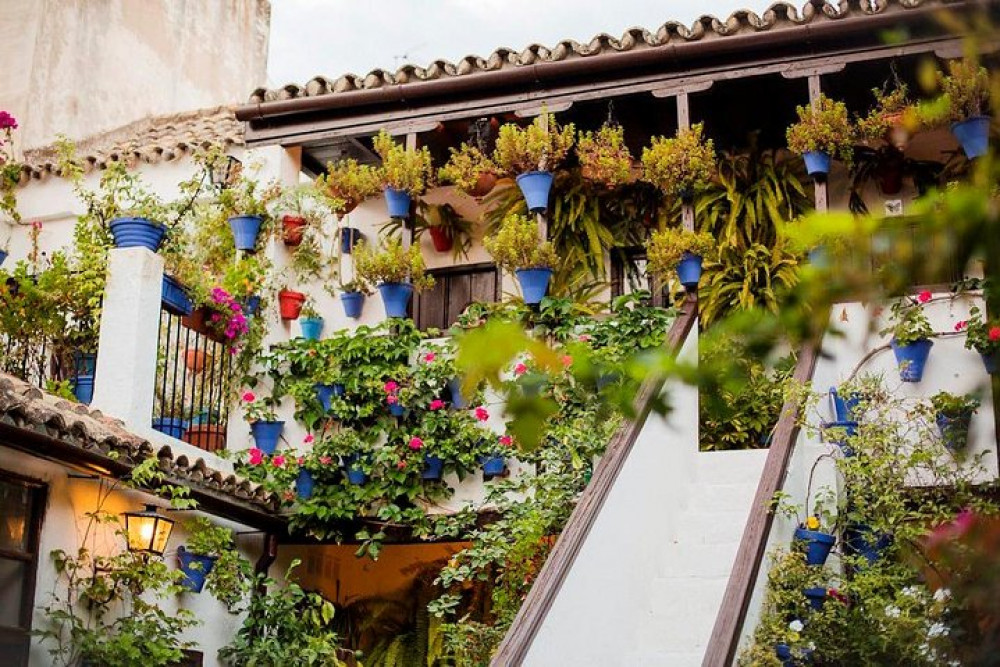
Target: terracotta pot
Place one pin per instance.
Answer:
(198, 321)
(484, 185)
(442, 239)
(890, 173)
(349, 205)
(196, 360)
(292, 226)
(210, 437)
(290, 303)
(898, 134)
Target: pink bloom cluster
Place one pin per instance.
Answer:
(520, 369)
(436, 404)
(236, 322)
(391, 389)
(506, 440)
(924, 296)
(429, 357)
(7, 122)
(482, 414)
(416, 443)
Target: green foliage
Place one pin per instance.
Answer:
(443, 217)
(346, 184)
(982, 335)
(678, 164)
(742, 280)
(392, 264)
(964, 94)
(533, 148)
(403, 169)
(245, 196)
(954, 405)
(890, 109)
(516, 245)
(465, 167)
(908, 323)
(604, 157)
(826, 128)
(666, 248)
(10, 170)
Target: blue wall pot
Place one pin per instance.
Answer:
(349, 237)
(396, 409)
(172, 426)
(535, 186)
(838, 432)
(974, 135)
(175, 299)
(355, 475)
(83, 388)
(990, 361)
(304, 484)
(3, 256)
(861, 540)
(311, 327)
(845, 408)
(324, 392)
(534, 283)
(455, 389)
(433, 467)
(398, 202)
(266, 434)
(251, 305)
(395, 298)
(84, 363)
(911, 359)
(817, 163)
(689, 270)
(195, 568)
(353, 302)
(816, 597)
(137, 233)
(818, 545)
(954, 429)
(245, 230)
(493, 465)
(819, 257)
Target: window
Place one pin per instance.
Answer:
(628, 274)
(454, 289)
(22, 503)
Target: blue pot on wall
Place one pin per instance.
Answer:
(311, 327)
(396, 409)
(493, 465)
(991, 362)
(324, 393)
(845, 409)
(816, 597)
(3, 257)
(355, 475)
(433, 467)
(304, 484)
(818, 545)
(172, 426)
(455, 389)
(974, 135)
(353, 302)
(689, 270)
(137, 233)
(398, 203)
(266, 435)
(911, 359)
(534, 283)
(790, 658)
(395, 298)
(954, 429)
(245, 230)
(838, 433)
(535, 187)
(175, 299)
(251, 305)
(83, 388)
(349, 237)
(195, 568)
(861, 540)
(817, 163)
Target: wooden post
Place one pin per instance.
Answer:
(409, 225)
(543, 222)
(684, 123)
(820, 196)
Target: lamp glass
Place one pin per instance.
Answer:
(148, 531)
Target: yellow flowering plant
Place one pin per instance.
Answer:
(541, 146)
(402, 168)
(604, 157)
(392, 264)
(678, 164)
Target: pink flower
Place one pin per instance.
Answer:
(520, 369)
(256, 457)
(567, 360)
(301, 460)
(288, 495)
(584, 338)
(481, 414)
(436, 404)
(959, 326)
(391, 387)
(249, 397)
(400, 465)
(429, 357)
(994, 334)
(325, 460)
(278, 461)
(308, 439)
(7, 122)
(416, 443)
(36, 225)
(924, 296)
(506, 440)
(391, 399)
(216, 317)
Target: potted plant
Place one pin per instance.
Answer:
(265, 426)
(516, 248)
(604, 157)
(953, 416)
(983, 337)
(172, 419)
(206, 431)
(911, 336)
(311, 322)
(531, 154)
(354, 452)
(352, 296)
(964, 102)
(821, 134)
(245, 206)
(298, 213)
(395, 271)
(404, 173)
(196, 359)
(346, 184)
(678, 249)
(10, 172)
(138, 214)
(470, 170)
(677, 165)
(815, 541)
(494, 459)
(290, 303)
(247, 279)
(206, 543)
(889, 118)
(445, 226)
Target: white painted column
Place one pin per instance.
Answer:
(130, 323)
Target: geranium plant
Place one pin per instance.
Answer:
(10, 168)
(403, 169)
(516, 245)
(346, 184)
(982, 335)
(604, 157)
(392, 264)
(825, 129)
(666, 248)
(908, 323)
(246, 196)
(227, 319)
(678, 164)
(541, 146)
(257, 408)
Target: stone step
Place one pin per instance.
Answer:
(681, 613)
(710, 527)
(697, 560)
(736, 467)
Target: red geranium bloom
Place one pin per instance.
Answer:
(416, 443)
(256, 457)
(520, 369)
(325, 460)
(924, 296)
(567, 360)
(391, 387)
(308, 439)
(994, 334)
(391, 400)
(400, 465)
(436, 404)
(278, 461)
(959, 326)
(429, 357)
(506, 440)
(482, 414)
(248, 396)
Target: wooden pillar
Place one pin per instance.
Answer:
(684, 123)
(409, 225)
(543, 222)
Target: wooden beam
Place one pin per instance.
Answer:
(684, 123)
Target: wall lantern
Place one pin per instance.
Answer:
(224, 170)
(148, 531)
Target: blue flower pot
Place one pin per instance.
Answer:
(339, 389)
(493, 465)
(535, 186)
(398, 202)
(355, 475)
(954, 429)
(137, 233)
(433, 467)
(84, 363)
(990, 361)
(788, 657)
(172, 426)
(83, 388)
(817, 163)
(816, 597)
(324, 393)
(245, 230)
(534, 283)
(396, 409)
(845, 409)
(974, 135)
(353, 303)
(349, 237)
(838, 433)
(251, 305)
(606, 380)
(304, 484)
(455, 389)
(266, 434)
(311, 327)
(395, 298)
(689, 270)
(861, 540)
(911, 359)
(195, 568)
(3, 256)
(175, 299)
(818, 545)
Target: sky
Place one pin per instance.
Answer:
(334, 37)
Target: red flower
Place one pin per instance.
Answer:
(584, 338)
(301, 460)
(520, 369)
(391, 399)
(256, 457)
(278, 461)
(416, 443)
(36, 224)
(288, 495)
(391, 387)
(959, 326)
(506, 440)
(249, 397)
(924, 296)
(994, 334)
(436, 404)
(400, 465)
(481, 414)
(325, 460)
(308, 439)
(429, 357)
(567, 360)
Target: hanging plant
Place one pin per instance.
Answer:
(395, 271)
(404, 173)
(911, 336)
(679, 250)
(10, 169)
(983, 336)
(679, 164)
(470, 170)
(822, 134)
(245, 205)
(964, 103)
(346, 184)
(531, 153)
(516, 248)
(604, 157)
(890, 119)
